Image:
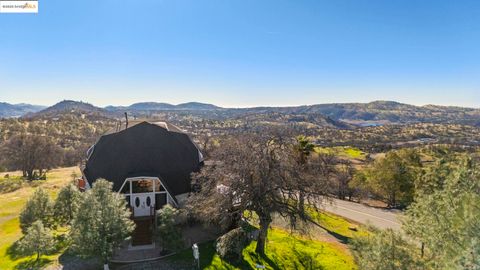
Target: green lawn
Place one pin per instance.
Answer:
(284, 251)
(11, 205)
(343, 151)
(339, 226)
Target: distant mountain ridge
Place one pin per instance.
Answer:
(383, 112)
(87, 109)
(69, 106)
(8, 110)
(156, 106)
(396, 112)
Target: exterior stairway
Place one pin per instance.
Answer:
(142, 235)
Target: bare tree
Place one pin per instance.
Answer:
(206, 143)
(257, 173)
(343, 177)
(326, 163)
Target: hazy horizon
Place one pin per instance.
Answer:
(228, 107)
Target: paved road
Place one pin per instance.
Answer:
(360, 213)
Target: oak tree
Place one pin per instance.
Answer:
(30, 153)
(258, 173)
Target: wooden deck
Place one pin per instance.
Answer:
(143, 233)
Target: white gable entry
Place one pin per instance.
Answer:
(145, 194)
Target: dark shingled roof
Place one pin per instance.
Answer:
(145, 149)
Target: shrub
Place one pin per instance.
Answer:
(9, 185)
(385, 250)
(168, 231)
(38, 240)
(66, 205)
(181, 217)
(38, 207)
(230, 245)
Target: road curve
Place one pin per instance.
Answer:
(381, 218)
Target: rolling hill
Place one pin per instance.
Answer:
(395, 112)
(8, 110)
(70, 107)
(158, 106)
(362, 114)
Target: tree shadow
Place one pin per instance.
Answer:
(259, 259)
(14, 252)
(70, 261)
(33, 263)
(307, 261)
(208, 252)
(342, 238)
(270, 262)
(240, 263)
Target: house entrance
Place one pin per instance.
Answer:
(143, 204)
(145, 194)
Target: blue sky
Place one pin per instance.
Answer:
(241, 53)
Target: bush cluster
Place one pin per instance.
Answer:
(9, 185)
(230, 245)
(168, 232)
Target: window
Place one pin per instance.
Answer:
(160, 200)
(126, 188)
(158, 186)
(142, 186)
(137, 202)
(149, 201)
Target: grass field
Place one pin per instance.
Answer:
(11, 205)
(340, 227)
(291, 251)
(284, 251)
(345, 152)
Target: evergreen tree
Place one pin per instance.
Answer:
(37, 240)
(303, 147)
(66, 204)
(102, 222)
(445, 217)
(38, 207)
(392, 177)
(385, 250)
(442, 224)
(302, 150)
(167, 231)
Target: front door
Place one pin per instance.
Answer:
(142, 204)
